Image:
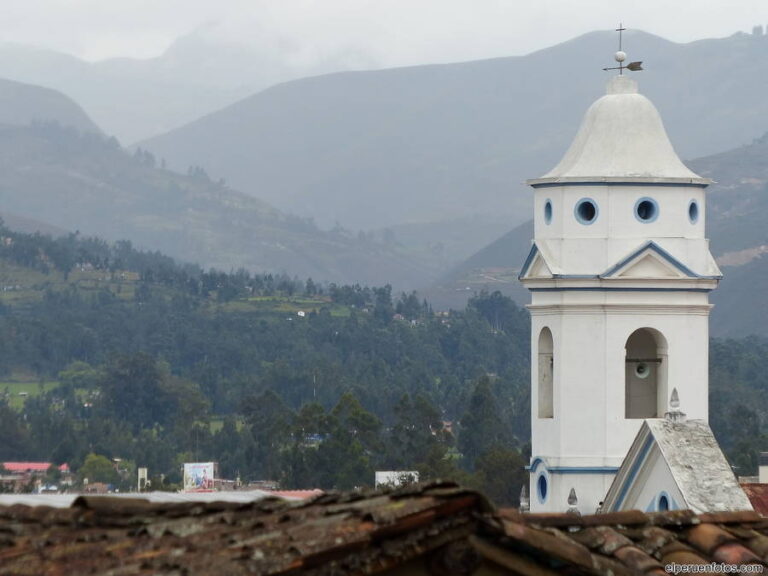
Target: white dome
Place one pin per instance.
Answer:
(621, 139)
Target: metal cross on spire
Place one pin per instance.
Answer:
(620, 56)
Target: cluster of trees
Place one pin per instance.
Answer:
(143, 377)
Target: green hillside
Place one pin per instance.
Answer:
(312, 385)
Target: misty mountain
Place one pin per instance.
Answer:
(134, 98)
(737, 225)
(22, 104)
(86, 182)
(432, 144)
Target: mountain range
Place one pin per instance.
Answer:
(59, 173)
(431, 145)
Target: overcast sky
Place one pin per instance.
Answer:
(381, 32)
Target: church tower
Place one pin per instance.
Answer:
(619, 274)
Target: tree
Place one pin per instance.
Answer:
(98, 468)
(500, 474)
(346, 458)
(133, 390)
(481, 426)
(270, 422)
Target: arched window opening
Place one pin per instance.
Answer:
(645, 374)
(546, 373)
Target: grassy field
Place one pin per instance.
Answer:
(18, 392)
(216, 424)
(20, 285)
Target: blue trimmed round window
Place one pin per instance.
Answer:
(693, 212)
(586, 211)
(541, 487)
(663, 503)
(646, 210)
(548, 212)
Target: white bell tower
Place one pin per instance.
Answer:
(619, 274)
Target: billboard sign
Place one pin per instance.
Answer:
(198, 477)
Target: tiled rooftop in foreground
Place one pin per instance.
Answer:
(437, 529)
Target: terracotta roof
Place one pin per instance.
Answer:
(450, 530)
(296, 494)
(758, 496)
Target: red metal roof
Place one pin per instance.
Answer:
(31, 466)
(758, 496)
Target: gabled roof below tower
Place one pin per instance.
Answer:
(673, 465)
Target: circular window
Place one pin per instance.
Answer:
(663, 503)
(541, 485)
(642, 370)
(646, 210)
(586, 211)
(693, 211)
(548, 212)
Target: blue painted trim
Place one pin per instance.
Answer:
(528, 261)
(578, 217)
(633, 471)
(613, 289)
(653, 203)
(579, 276)
(584, 470)
(542, 487)
(653, 247)
(548, 212)
(570, 469)
(603, 183)
(693, 205)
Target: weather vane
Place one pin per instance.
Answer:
(620, 56)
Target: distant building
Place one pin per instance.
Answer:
(19, 476)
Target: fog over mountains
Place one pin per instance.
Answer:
(134, 99)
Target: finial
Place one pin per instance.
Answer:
(573, 502)
(674, 400)
(675, 414)
(525, 503)
(620, 56)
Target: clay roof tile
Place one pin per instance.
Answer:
(708, 537)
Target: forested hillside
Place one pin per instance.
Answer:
(111, 351)
(273, 377)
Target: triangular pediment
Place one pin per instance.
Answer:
(539, 268)
(535, 265)
(649, 265)
(649, 261)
